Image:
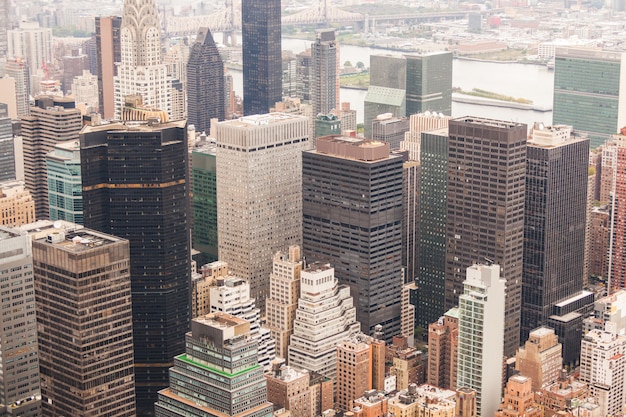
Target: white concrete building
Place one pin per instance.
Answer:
(259, 193)
(326, 315)
(142, 70)
(481, 336)
(85, 90)
(31, 43)
(607, 309)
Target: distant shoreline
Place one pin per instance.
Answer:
(481, 101)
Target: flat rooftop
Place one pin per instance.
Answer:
(249, 122)
(487, 122)
(133, 126)
(77, 241)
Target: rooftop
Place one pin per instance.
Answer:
(249, 122)
(76, 241)
(488, 122)
(147, 126)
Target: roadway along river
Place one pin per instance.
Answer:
(533, 82)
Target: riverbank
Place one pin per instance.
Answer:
(481, 101)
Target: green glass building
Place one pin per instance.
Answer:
(204, 202)
(587, 88)
(429, 83)
(65, 191)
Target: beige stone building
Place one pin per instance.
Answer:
(289, 388)
(201, 287)
(518, 399)
(541, 357)
(17, 206)
(442, 348)
(354, 370)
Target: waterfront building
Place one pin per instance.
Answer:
(262, 64)
(65, 192)
(17, 69)
(324, 76)
(429, 83)
(485, 209)
(322, 299)
(282, 303)
(519, 399)
(353, 192)
(17, 206)
(52, 120)
(204, 201)
(206, 92)
(481, 336)
(587, 92)
(31, 43)
(442, 350)
(141, 70)
(20, 391)
(7, 145)
(288, 388)
(80, 273)
(390, 129)
(387, 90)
(108, 52)
(222, 361)
(289, 78)
(540, 358)
(264, 153)
(134, 180)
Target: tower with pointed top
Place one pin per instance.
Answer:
(142, 70)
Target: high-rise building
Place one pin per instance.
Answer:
(387, 90)
(221, 360)
(611, 308)
(20, 393)
(18, 70)
(108, 52)
(442, 350)
(73, 65)
(602, 364)
(429, 83)
(86, 362)
(205, 83)
(485, 209)
(7, 146)
(519, 399)
(5, 25)
(353, 192)
(303, 75)
(418, 123)
(587, 92)
(259, 189)
(431, 276)
(65, 191)
(322, 299)
(141, 70)
(16, 204)
(481, 336)
(411, 175)
(288, 388)
(135, 187)
(85, 91)
(289, 77)
(324, 76)
(204, 201)
(231, 295)
(262, 64)
(31, 43)
(354, 370)
(282, 302)
(51, 121)
(617, 247)
(346, 115)
(540, 359)
(600, 239)
(554, 232)
(390, 129)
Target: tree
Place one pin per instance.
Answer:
(360, 65)
(347, 64)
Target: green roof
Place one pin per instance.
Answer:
(384, 95)
(189, 360)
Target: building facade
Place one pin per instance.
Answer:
(519, 399)
(108, 52)
(429, 83)
(18, 70)
(390, 129)
(17, 206)
(540, 359)
(354, 371)
(65, 191)
(204, 201)
(289, 388)
(31, 43)
(324, 76)
(442, 350)
(7, 146)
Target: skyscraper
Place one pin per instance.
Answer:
(108, 52)
(141, 70)
(20, 72)
(31, 43)
(135, 187)
(204, 201)
(52, 120)
(429, 83)
(86, 361)
(354, 370)
(5, 25)
(324, 77)
(481, 336)
(20, 393)
(390, 129)
(221, 360)
(353, 192)
(259, 189)
(205, 82)
(65, 191)
(587, 91)
(262, 63)
(554, 222)
(485, 208)
(7, 147)
(617, 246)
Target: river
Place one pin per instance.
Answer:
(533, 82)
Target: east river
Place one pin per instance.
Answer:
(533, 82)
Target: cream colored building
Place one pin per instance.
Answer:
(283, 300)
(201, 287)
(17, 206)
(259, 193)
(541, 357)
(423, 401)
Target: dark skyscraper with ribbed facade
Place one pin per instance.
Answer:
(352, 219)
(205, 82)
(262, 59)
(135, 187)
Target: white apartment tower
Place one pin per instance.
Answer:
(481, 336)
(325, 316)
(602, 367)
(231, 295)
(31, 43)
(283, 300)
(259, 193)
(141, 70)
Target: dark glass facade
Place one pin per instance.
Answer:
(429, 83)
(352, 216)
(432, 232)
(554, 228)
(205, 82)
(485, 213)
(204, 202)
(262, 61)
(135, 187)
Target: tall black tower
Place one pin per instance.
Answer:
(135, 187)
(262, 63)
(205, 82)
